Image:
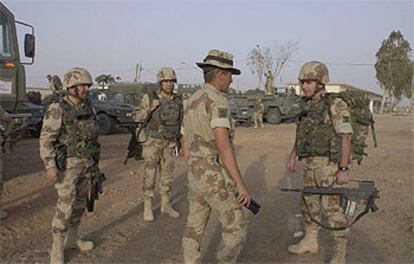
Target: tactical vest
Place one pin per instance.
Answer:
(315, 133)
(166, 120)
(78, 132)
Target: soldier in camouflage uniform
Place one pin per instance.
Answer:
(269, 83)
(7, 124)
(258, 114)
(323, 143)
(160, 140)
(214, 176)
(69, 149)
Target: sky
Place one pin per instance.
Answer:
(111, 37)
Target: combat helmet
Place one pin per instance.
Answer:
(314, 70)
(166, 73)
(77, 76)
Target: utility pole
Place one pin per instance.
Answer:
(138, 70)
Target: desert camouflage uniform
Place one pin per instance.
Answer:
(318, 171)
(210, 187)
(269, 83)
(157, 153)
(258, 114)
(73, 184)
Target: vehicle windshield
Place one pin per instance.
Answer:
(106, 96)
(6, 44)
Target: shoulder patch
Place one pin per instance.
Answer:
(223, 112)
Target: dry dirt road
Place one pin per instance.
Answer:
(122, 237)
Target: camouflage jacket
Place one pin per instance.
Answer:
(73, 128)
(165, 121)
(205, 110)
(319, 126)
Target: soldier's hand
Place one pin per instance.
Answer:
(244, 197)
(154, 104)
(52, 175)
(341, 177)
(291, 164)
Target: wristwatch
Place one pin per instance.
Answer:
(343, 168)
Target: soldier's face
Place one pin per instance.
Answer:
(81, 91)
(308, 87)
(167, 86)
(225, 78)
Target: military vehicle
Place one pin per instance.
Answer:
(278, 107)
(34, 121)
(12, 72)
(111, 109)
(242, 115)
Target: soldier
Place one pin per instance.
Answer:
(55, 84)
(69, 149)
(258, 114)
(161, 136)
(269, 83)
(7, 124)
(214, 176)
(323, 143)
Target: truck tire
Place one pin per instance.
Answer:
(104, 124)
(273, 116)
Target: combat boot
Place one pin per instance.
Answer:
(148, 215)
(57, 255)
(309, 243)
(167, 209)
(73, 241)
(340, 251)
(3, 214)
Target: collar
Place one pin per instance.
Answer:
(213, 88)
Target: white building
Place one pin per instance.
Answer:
(375, 99)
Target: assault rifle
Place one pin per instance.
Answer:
(135, 147)
(366, 192)
(97, 178)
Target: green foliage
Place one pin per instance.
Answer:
(394, 68)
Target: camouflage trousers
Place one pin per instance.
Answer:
(72, 189)
(159, 155)
(210, 188)
(318, 171)
(258, 119)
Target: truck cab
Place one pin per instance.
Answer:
(12, 72)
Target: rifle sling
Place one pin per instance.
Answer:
(366, 210)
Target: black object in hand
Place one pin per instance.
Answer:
(254, 206)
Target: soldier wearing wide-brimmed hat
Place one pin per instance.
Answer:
(214, 176)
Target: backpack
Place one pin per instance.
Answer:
(361, 121)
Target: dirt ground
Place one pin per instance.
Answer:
(122, 236)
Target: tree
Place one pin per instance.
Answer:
(270, 58)
(394, 68)
(256, 61)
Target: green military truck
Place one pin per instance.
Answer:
(12, 71)
(111, 109)
(278, 107)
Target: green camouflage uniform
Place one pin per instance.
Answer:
(210, 187)
(75, 129)
(318, 145)
(157, 150)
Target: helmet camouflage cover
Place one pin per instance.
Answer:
(77, 76)
(166, 73)
(314, 70)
